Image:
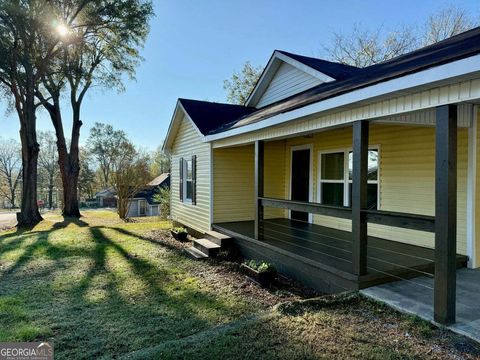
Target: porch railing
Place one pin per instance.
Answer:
(389, 218)
(308, 207)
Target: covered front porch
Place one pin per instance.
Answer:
(354, 206)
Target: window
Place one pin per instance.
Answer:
(142, 207)
(187, 170)
(187, 177)
(332, 180)
(336, 178)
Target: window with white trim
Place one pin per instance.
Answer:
(188, 180)
(335, 179)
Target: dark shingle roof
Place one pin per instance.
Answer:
(214, 118)
(335, 70)
(209, 116)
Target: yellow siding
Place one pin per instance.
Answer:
(407, 178)
(188, 143)
(275, 184)
(233, 184)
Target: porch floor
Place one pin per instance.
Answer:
(416, 297)
(332, 249)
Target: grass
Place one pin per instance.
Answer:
(103, 288)
(96, 285)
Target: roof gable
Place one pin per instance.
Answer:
(287, 74)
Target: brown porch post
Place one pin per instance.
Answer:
(445, 214)
(359, 196)
(259, 175)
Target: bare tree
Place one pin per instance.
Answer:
(130, 176)
(10, 168)
(364, 47)
(48, 163)
(241, 84)
(447, 23)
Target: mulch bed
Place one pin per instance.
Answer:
(225, 271)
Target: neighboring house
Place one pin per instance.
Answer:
(322, 154)
(143, 203)
(106, 198)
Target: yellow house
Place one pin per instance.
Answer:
(342, 177)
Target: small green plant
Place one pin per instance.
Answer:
(163, 199)
(179, 230)
(261, 266)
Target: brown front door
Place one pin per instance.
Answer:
(300, 184)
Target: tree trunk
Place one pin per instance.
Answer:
(29, 214)
(69, 163)
(12, 199)
(71, 207)
(70, 172)
(50, 193)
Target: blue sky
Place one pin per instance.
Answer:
(194, 45)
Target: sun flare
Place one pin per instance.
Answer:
(62, 30)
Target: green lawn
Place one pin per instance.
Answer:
(102, 288)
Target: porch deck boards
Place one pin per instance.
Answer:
(387, 260)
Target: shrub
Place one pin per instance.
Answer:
(180, 230)
(163, 199)
(261, 266)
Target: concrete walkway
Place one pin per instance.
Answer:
(415, 296)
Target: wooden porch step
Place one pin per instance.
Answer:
(219, 238)
(206, 246)
(195, 254)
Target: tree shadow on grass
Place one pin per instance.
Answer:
(68, 221)
(109, 296)
(145, 238)
(125, 323)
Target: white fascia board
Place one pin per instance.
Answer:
(273, 64)
(172, 129)
(428, 76)
(305, 68)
